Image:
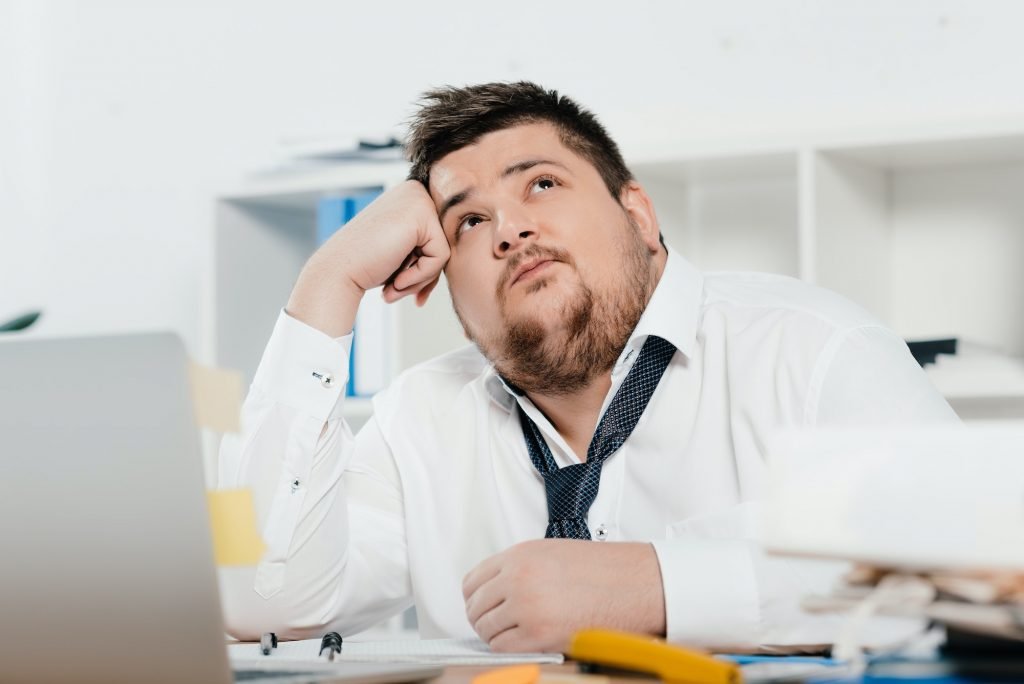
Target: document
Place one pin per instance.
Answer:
(433, 651)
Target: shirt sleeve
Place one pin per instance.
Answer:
(721, 589)
(328, 504)
(867, 376)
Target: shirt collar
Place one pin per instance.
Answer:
(672, 313)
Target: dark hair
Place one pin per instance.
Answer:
(451, 118)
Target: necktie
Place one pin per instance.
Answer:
(572, 490)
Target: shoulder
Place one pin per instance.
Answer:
(433, 385)
(784, 326)
(746, 298)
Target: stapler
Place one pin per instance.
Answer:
(601, 649)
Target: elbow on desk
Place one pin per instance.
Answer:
(248, 615)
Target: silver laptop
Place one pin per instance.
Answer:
(106, 567)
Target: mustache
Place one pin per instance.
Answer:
(531, 252)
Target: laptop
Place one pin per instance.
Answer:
(106, 568)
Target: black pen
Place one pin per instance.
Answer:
(267, 642)
(331, 643)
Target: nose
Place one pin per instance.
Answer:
(514, 228)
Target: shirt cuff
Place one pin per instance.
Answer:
(304, 368)
(711, 596)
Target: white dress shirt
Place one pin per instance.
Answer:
(359, 528)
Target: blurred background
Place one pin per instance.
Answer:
(155, 156)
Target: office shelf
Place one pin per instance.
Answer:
(922, 225)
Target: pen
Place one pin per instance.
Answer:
(331, 643)
(267, 642)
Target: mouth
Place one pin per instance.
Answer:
(530, 270)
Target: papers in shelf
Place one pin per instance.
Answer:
(435, 651)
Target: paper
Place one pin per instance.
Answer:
(432, 651)
(216, 397)
(233, 524)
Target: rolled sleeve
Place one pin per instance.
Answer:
(711, 594)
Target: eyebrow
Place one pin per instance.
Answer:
(510, 170)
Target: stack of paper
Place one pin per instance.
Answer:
(934, 516)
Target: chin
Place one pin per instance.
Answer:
(545, 298)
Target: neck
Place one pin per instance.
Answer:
(574, 415)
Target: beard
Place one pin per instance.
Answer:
(591, 329)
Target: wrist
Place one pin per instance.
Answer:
(643, 605)
(325, 299)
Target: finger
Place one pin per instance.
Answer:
(391, 294)
(494, 622)
(483, 572)
(488, 597)
(510, 640)
(407, 262)
(424, 294)
(432, 252)
(424, 269)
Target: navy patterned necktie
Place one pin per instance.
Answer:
(572, 490)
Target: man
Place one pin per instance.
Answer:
(616, 402)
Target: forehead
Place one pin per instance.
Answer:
(484, 160)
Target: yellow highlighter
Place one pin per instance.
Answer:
(672, 664)
(516, 674)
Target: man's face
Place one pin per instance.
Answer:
(546, 268)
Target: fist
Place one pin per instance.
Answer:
(534, 596)
(396, 241)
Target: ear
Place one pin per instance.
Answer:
(637, 203)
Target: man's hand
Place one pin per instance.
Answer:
(534, 596)
(396, 241)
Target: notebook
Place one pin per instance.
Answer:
(433, 651)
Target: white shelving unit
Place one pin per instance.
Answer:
(924, 227)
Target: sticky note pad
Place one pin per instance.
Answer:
(233, 523)
(216, 397)
(516, 674)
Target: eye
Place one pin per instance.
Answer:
(468, 223)
(543, 183)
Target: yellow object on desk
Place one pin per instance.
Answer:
(672, 664)
(516, 674)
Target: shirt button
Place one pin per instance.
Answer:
(602, 533)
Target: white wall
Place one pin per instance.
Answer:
(119, 120)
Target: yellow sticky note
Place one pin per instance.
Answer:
(216, 397)
(233, 523)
